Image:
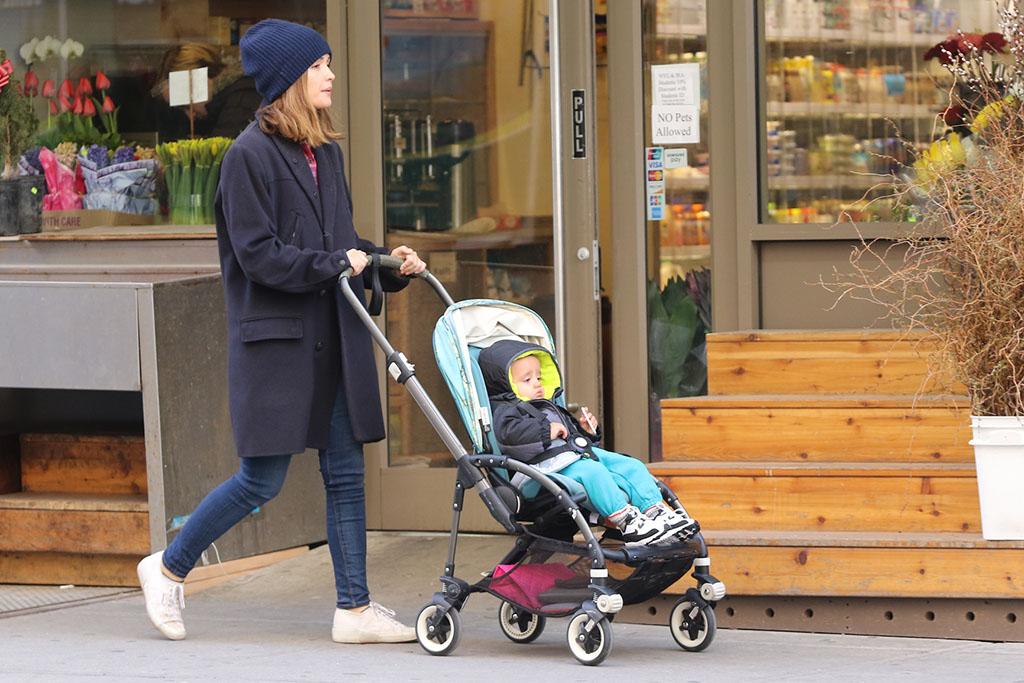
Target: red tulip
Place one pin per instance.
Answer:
(49, 89)
(108, 104)
(102, 82)
(88, 108)
(77, 109)
(65, 103)
(53, 107)
(31, 83)
(65, 89)
(84, 86)
(5, 72)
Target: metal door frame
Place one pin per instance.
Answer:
(423, 492)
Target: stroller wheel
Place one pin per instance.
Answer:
(693, 626)
(589, 647)
(442, 638)
(518, 625)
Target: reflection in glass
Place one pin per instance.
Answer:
(467, 159)
(843, 81)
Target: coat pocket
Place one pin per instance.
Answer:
(261, 329)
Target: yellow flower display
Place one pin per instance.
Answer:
(992, 111)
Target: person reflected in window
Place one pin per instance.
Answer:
(233, 98)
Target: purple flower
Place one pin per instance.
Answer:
(98, 155)
(124, 154)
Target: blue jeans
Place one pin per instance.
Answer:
(260, 479)
(614, 481)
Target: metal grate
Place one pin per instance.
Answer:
(19, 599)
(957, 618)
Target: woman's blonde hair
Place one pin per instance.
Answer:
(292, 116)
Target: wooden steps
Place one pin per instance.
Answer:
(832, 464)
(870, 565)
(83, 464)
(78, 513)
(827, 362)
(842, 497)
(817, 428)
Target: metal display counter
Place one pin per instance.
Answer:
(156, 342)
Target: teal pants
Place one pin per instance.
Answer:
(614, 481)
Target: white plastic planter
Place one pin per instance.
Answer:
(999, 457)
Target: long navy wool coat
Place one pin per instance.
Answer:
(291, 335)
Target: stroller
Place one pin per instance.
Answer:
(556, 567)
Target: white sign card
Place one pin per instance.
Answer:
(676, 158)
(676, 84)
(675, 110)
(675, 124)
(188, 87)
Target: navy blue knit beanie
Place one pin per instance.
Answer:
(276, 53)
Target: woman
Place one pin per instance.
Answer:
(233, 98)
(300, 363)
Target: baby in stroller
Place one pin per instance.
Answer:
(521, 380)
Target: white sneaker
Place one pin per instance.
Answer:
(637, 529)
(675, 525)
(375, 624)
(165, 598)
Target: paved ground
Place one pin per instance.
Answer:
(274, 625)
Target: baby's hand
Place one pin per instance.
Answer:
(558, 431)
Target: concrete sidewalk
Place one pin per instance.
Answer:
(274, 625)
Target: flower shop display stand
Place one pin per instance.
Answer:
(87, 489)
(836, 485)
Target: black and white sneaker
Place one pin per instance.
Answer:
(675, 526)
(637, 529)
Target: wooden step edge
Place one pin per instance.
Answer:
(203, 577)
(854, 539)
(717, 468)
(66, 437)
(819, 401)
(816, 335)
(86, 502)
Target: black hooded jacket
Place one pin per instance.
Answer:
(522, 429)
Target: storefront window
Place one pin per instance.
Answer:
(467, 157)
(677, 166)
(844, 87)
(97, 72)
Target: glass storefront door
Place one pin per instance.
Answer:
(677, 184)
(470, 181)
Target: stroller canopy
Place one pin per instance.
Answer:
(464, 329)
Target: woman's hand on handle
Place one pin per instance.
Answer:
(357, 260)
(413, 264)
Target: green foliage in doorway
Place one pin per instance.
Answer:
(678, 318)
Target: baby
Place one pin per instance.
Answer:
(522, 380)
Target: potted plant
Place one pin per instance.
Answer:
(17, 126)
(958, 273)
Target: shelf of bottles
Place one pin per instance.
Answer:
(848, 99)
(676, 33)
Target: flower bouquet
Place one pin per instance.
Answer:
(191, 172)
(123, 180)
(59, 168)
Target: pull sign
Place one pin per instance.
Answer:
(579, 124)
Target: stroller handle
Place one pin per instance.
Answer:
(394, 263)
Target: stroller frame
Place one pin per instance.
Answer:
(438, 626)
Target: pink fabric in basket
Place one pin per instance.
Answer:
(523, 584)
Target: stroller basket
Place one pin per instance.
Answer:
(557, 567)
